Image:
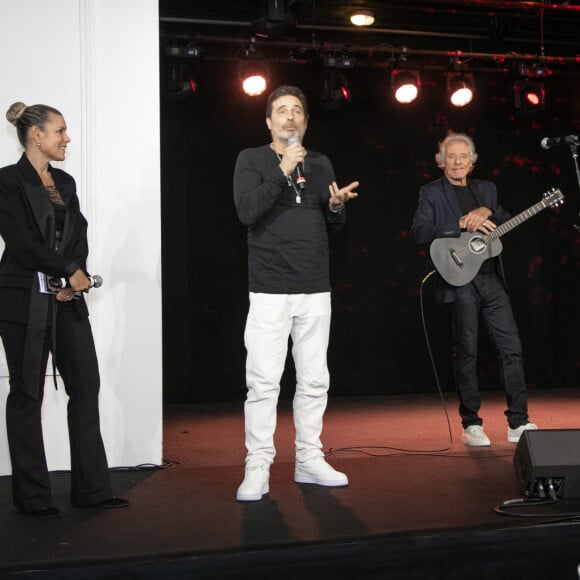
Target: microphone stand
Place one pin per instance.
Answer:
(574, 151)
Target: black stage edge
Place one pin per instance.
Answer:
(532, 553)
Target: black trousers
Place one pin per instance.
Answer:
(486, 296)
(76, 361)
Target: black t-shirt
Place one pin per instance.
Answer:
(287, 241)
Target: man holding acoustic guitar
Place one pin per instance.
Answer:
(461, 217)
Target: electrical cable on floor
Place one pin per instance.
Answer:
(506, 505)
(362, 448)
(140, 467)
(505, 508)
(540, 492)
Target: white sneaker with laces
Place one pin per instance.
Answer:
(256, 483)
(319, 472)
(515, 434)
(474, 436)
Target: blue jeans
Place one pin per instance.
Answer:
(486, 296)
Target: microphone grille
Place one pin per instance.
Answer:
(293, 139)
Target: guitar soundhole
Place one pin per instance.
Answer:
(477, 245)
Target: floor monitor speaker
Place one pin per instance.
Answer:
(547, 463)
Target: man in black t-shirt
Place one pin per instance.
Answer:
(289, 200)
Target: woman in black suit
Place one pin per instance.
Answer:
(45, 236)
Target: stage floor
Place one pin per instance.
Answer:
(419, 504)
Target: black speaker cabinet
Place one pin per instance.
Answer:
(547, 462)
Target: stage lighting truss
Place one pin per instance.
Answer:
(344, 61)
(177, 50)
(253, 77)
(405, 84)
(460, 88)
(529, 95)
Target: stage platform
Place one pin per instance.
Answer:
(420, 505)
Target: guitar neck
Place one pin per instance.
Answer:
(515, 221)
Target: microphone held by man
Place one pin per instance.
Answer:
(300, 179)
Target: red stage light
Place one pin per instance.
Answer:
(345, 93)
(529, 95)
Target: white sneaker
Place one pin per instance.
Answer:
(256, 483)
(515, 434)
(474, 436)
(319, 472)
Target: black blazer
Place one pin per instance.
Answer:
(438, 216)
(27, 226)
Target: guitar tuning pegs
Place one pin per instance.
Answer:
(554, 197)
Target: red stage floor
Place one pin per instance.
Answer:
(419, 503)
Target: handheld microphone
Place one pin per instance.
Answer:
(548, 142)
(59, 283)
(300, 180)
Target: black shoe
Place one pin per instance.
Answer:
(44, 511)
(113, 502)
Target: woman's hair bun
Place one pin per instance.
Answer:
(15, 112)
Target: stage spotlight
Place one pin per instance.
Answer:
(254, 78)
(181, 83)
(182, 91)
(362, 18)
(334, 89)
(254, 85)
(405, 84)
(460, 88)
(529, 95)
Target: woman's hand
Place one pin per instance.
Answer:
(65, 295)
(79, 282)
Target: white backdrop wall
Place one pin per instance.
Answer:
(97, 62)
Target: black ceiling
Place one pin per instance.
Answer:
(481, 32)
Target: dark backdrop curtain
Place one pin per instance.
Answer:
(377, 343)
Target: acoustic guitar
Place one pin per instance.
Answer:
(458, 259)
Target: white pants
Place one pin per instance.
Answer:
(272, 318)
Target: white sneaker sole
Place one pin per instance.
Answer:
(252, 496)
(307, 478)
(475, 443)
